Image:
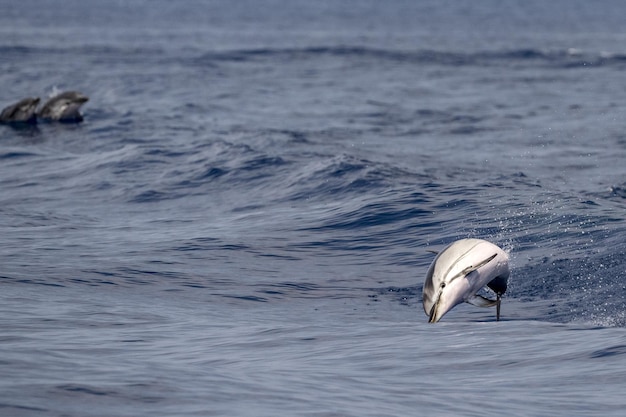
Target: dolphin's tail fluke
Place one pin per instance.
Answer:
(499, 301)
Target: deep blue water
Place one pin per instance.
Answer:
(241, 225)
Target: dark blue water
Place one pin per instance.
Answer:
(241, 225)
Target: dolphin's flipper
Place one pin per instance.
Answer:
(480, 301)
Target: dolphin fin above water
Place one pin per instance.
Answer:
(459, 271)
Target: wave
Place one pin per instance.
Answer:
(521, 57)
(564, 58)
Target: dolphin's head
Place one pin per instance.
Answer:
(459, 271)
(21, 112)
(64, 107)
(442, 292)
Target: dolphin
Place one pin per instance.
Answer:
(22, 112)
(459, 271)
(64, 107)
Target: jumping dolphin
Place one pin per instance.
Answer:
(459, 271)
(22, 112)
(64, 107)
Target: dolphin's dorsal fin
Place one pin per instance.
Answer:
(480, 301)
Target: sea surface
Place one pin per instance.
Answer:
(242, 224)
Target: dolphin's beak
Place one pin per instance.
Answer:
(72, 110)
(434, 318)
(437, 312)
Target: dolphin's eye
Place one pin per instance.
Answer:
(443, 285)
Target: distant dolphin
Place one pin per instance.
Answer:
(461, 270)
(22, 112)
(64, 107)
